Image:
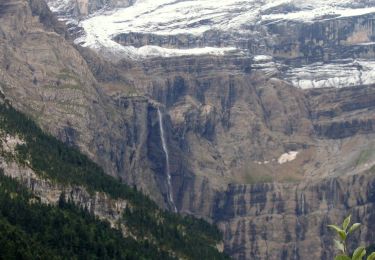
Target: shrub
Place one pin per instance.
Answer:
(341, 244)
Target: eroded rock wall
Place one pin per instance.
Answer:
(289, 221)
(324, 40)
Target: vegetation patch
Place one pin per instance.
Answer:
(365, 156)
(181, 236)
(341, 243)
(37, 231)
(258, 178)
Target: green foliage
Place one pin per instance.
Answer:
(186, 237)
(16, 244)
(359, 253)
(371, 257)
(54, 160)
(31, 230)
(342, 257)
(365, 156)
(354, 227)
(341, 244)
(346, 222)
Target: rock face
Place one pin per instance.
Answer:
(284, 221)
(81, 8)
(50, 192)
(99, 204)
(312, 42)
(340, 117)
(340, 38)
(43, 75)
(227, 119)
(188, 41)
(232, 122)
(318, 53)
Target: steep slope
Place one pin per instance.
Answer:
(289, 221)
(59, 232)
(197, 24)
(56, 173)
(43, 75)
(248, 144)
(312, 41)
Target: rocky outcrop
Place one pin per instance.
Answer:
(99, 204)
(80, 8)
(232, 123)
(326, 40)
(288, 221)
(51, 192)
(211, 38)
(43, 75)
(343, 113)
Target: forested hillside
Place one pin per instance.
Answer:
(30, 229)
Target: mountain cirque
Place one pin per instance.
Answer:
(228, 119)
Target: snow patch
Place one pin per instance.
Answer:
(287, 157)
(323, 12)
(195, 17)
(342, 73)
(113, 50)
(150, 51)
(262, 58)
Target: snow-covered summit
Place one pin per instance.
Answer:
(147, 28)
(194, 17)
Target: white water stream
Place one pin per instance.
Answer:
(165, 149)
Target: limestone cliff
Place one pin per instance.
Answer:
(342, 38)
(232, 124)
(289, 221)
(99, 204)
(42, 74)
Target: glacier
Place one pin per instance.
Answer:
(238, 18)
(340, 73)
(195, 17)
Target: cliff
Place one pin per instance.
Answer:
(289, 221)
(270, 163)
(69, 182)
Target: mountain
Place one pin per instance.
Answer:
(55, 203)
(255, 115)
(74, 210)
(320, 38)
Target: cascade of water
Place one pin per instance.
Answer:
(167, 170)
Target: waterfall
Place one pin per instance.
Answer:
(167, 170)
(303, 200)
